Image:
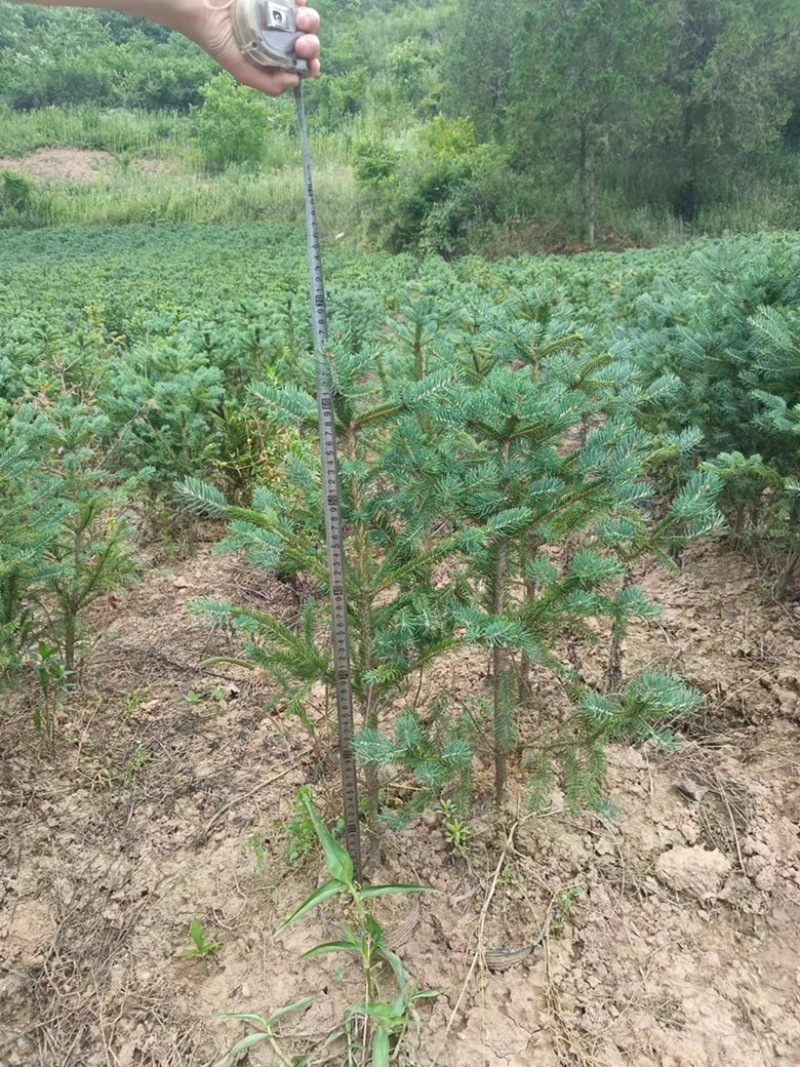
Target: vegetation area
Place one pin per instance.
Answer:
(528, 431)
(516, 438)
(437, 126)
(519, 436)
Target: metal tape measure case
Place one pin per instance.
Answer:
(266, 33)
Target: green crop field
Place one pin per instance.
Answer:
(522, 440)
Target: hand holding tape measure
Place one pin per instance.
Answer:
(265, 44)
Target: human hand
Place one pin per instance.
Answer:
(211, 27)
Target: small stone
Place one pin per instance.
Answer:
(787, 700)
(690, 832)
(694, 871)
(765, 879)
(691, 789)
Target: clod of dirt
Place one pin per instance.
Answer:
(694, 871)
(791, 806)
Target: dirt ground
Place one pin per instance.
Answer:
(680, 946)
(78, 165)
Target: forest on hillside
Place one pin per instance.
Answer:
(458, 130)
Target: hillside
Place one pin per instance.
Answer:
(623, 125)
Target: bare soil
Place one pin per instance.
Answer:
(77, 165)
(681, 947)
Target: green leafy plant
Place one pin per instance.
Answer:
(201, 948)
(132, 702)
(563, 906)
(135, 762)
(268, 1030)
(257, 844)
(16, 194)
(456, 832)
(377, 1023)
(52, 679)
(230, 125)
(301, 833)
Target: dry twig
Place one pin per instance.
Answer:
(478, 955)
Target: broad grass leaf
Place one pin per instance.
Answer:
(380, 1048)
(240, 1047)
(329, 889)
(299, 1005)
(330, 946)
(337, 859)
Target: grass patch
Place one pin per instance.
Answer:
(125, 195)
(159, 133)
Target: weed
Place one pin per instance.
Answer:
(139, 759)
(132, 702)
(201, 948)
(257, 844)
(374, 1026)
(52, 678)
(456, 832)
(508, 878)
(299, 829)
(192, 698)
(563, 906)
(266, 1031)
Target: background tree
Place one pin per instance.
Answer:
(728, 72)
(584, 90)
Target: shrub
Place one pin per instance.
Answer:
(16, 194)
(231, 125)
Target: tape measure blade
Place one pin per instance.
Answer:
(333, 518)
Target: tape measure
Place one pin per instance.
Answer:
(266, 33)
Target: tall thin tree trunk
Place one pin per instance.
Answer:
(582, 182)
(363, 602)
(420, 362)
(70, 638)
(614, 669)
(592, 178)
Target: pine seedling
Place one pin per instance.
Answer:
(86, 551)
(646, 710)
(437, 753)
(400, 615)
(521, 467)
(166, 401)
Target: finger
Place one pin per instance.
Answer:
(307, 46)
(271, 82)
(308, 20)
